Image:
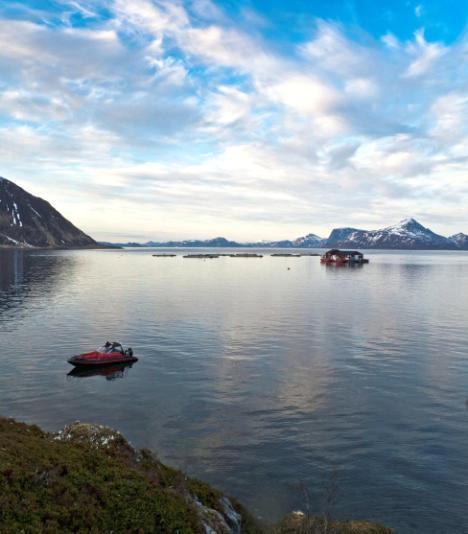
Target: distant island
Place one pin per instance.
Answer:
(408, 234)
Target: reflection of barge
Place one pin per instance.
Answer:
(343, 257)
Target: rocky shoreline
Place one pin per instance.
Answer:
(88, 478)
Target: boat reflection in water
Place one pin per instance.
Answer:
(340, 265)
(109, 372)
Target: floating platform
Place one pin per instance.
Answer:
(245, 255)
(285, 255)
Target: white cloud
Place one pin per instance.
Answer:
(303, 94)
(330, 50)
(361, 88)
(390, 41)
(180, 110)
(425, 55)
(154, 17)
(449, 116)
(229, 105)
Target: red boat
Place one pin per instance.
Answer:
(110, 353)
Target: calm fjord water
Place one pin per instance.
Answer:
(257, 378)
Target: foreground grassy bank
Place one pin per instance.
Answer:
(88, 478)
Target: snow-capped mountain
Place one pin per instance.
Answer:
(26, 220)
(343, 235)
(407, 234)
(308, 241)
(460, 240)
(340, 235)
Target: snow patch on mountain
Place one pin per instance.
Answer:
(407, 234)
(310, 240)
(460, 240)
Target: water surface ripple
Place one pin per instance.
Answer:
(259, 378)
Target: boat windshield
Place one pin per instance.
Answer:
(114, 347)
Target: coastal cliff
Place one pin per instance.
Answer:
(29, 221)
(88, 478)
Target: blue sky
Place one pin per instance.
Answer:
(255, 120)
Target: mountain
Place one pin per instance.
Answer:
(460, 240)
(342, 235)
(29, 221)
(215, 242)
(408, 234)
(187, 243)
(308, 241)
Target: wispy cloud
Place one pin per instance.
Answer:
(189, 123)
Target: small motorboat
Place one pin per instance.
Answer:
(110, 353)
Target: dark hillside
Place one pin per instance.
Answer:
(26, 220)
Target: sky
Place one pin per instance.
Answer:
(249, 119)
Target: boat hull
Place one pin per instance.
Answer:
(99, 359)
(109, 372)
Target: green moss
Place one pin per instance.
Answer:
(89, 479)
(58, 486)
(205, 493)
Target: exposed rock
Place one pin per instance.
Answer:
(29, 221)
(98, 436)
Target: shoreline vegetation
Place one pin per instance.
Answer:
(88, 478)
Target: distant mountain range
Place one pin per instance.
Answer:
(408, 234)
(29, 221)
